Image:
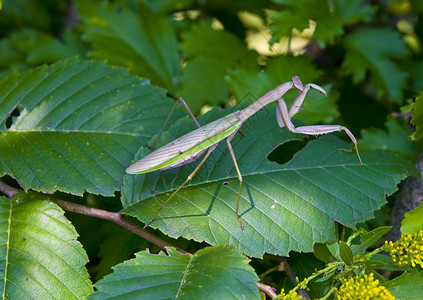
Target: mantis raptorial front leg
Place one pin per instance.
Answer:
(284, 119)
(190, 146)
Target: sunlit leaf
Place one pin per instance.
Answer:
(214, 272)
(40, 256)
(79, 127)
(407, 286)
(413, 220)
(298, 13)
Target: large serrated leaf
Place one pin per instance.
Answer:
(213, 273)
(80, 124)
(373, 49)
(297, 14)
(284, 208)
(144, 42)
(407, 286)
(40, 256)
(210, 54)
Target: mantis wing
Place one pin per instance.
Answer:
(188, 147)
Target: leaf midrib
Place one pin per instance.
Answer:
(7, 251)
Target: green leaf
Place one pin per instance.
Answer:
(322, 252)
(370, 239)
(40, 256)
(210, 54)
(213, 272)
(298, 13)
(118, 244)
(346, 253)
(80, 125)
(283, 207)
(354, 11)
(22, 12)
(10, 55)
(373, 50)
(394, 139)
(40, 47)
(413, 220)
(417, 118)
(407, 286)
(166, 6)
(145, 42)
(374, 264)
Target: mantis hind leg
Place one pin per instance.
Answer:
(231, 151)
(168, 117)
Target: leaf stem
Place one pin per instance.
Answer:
(267, 289)
(119, 219)
(293, 278)
(8, 190)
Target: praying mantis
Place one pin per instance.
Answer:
(192, 145)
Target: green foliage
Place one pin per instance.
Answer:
(85, 86)
(413, 220)
(181, 276)
(407, 286)
(372, 50)
(40, 256)
(123, 37)
(78, 139)
(417, 118)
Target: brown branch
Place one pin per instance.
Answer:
(292, 277)
(267, 289)
(8, 190)
(118, 219)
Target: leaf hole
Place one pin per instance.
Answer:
(285, 152)
(16, 112)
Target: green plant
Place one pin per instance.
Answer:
(85, 85)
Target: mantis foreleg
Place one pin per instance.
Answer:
(312, 130)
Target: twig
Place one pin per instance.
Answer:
(8, 190)
(292, 277)
(267, 289)
(119, 219)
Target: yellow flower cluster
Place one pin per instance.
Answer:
(408, 250)
(292, 295)
(362, 287)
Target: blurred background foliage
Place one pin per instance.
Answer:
(219, 53)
